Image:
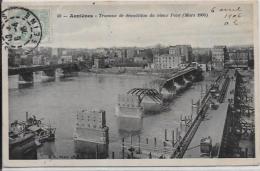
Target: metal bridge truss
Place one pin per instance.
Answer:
(236, 126)
(223, 90)
(142, 92)
(242, 100)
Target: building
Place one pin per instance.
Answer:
(122, 53)
(201, 55)
(56, 52)
(65, 59)
(140, 52)
(37, 60)
(184, 51)
(237, 59)
(54, 60)
(14, 57)
(160, 50)
(15, 60)
(119, 53)
(99, 63)
(101, 51)
(201, 51)
(110, 60)
(166, 61)
(130, 52)
(80, 58)
(219, 55)
(26, 59)
(140, 60)
(251, 57)
(241, 56)
(45, 60)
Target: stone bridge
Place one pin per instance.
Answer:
(26, 73)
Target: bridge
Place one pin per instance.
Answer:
(142, 92)
(29, 69)
(179, 81)
(185, 141)
(26, 77)
(182, 73)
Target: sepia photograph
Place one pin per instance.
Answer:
(138, 81)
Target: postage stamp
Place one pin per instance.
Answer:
(21, 28)
(116, 83)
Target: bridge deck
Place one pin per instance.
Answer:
(212, 125)
(34, 68)
(181, 73)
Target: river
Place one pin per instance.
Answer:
(57, 103)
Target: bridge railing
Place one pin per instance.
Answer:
(19, 70)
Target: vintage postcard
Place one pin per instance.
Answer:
(130, 83)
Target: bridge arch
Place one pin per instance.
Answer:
(142, 92)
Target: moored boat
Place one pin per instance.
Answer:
(26, 136)
(21, 142)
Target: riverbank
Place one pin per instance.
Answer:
(131, 71)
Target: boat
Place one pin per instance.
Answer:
(44, 133)
(21, 146)
(25, 136)
(21, 142)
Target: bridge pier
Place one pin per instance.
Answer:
(176, 85)
(50, 74)
(168, 91)
(129, 113)
(197, 75)
(69, 72)
(179, 84)
(183, 79)
(187, 80)
(25, 80)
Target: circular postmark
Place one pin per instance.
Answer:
(21, 28)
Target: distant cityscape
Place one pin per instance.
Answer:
(157, 57)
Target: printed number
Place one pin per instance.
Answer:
(213, 9)
(34, 41)
(202, 15)
(4, 16)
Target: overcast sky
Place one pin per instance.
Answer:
(109, 32)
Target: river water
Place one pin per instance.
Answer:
(57, 103)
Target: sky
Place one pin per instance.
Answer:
(141, 32)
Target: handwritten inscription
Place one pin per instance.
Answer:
(231, 16)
